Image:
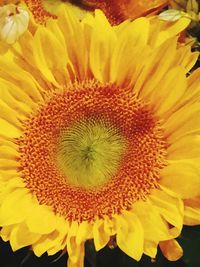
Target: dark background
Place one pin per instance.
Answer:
(189, 239)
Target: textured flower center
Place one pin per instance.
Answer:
(91, 151)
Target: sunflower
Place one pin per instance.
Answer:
(99, 137)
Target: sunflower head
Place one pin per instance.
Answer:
(91, 143)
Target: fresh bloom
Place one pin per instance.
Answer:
(99, 137)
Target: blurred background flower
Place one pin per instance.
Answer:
(188, 9)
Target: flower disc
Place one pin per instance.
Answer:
(90, 141)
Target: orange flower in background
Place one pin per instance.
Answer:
(37, 9)
(115, 10)
(119, 10)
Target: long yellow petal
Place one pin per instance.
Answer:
(182, 122)
(182, 177)
(101, 237)
(130, 235)
(170, 208)
(15, 207)
(80, 258)
(21, 237)
(187, 147)
(192, 211)
(41, 219)
(155, 228)
(84, 232)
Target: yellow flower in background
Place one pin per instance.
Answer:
(181, 8)
(185, 9)
(99, 137)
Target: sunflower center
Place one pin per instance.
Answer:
(89, 152)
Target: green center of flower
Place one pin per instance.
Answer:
(89, 153)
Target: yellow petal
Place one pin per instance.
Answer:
(15, 97)
(130, 235)
(110, 226)
(10, 120)
(5, 232)
(15, 207)
(54, 241)
(103, 39)
(80, 258)
(43, 55)
(159, 62)
(6, 175)
(84, 232)
(171, 29)
(41, 219)
(72, 30)
(192, 211)
(150, 248)
(14, 183)
(182, 122)
(171, 249)
(170, 208)
(155, 228)
(21, 237)
(44, 243)
(61, 241)
(129, 52)
(182, 177)
(71, 237)
(7, 130)
(7, 152)
(192, 94)
(165, 97)
(74, 250)
(185, 58)
(191, 216)
(187, 147)
(101, 237)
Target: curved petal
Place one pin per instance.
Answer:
(155, 228)
(101, 237)
(130, 235)
(41, 219)
(182, 177)
(170, 208)
(192, 211)
(20, 236)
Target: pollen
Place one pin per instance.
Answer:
(91, 151)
